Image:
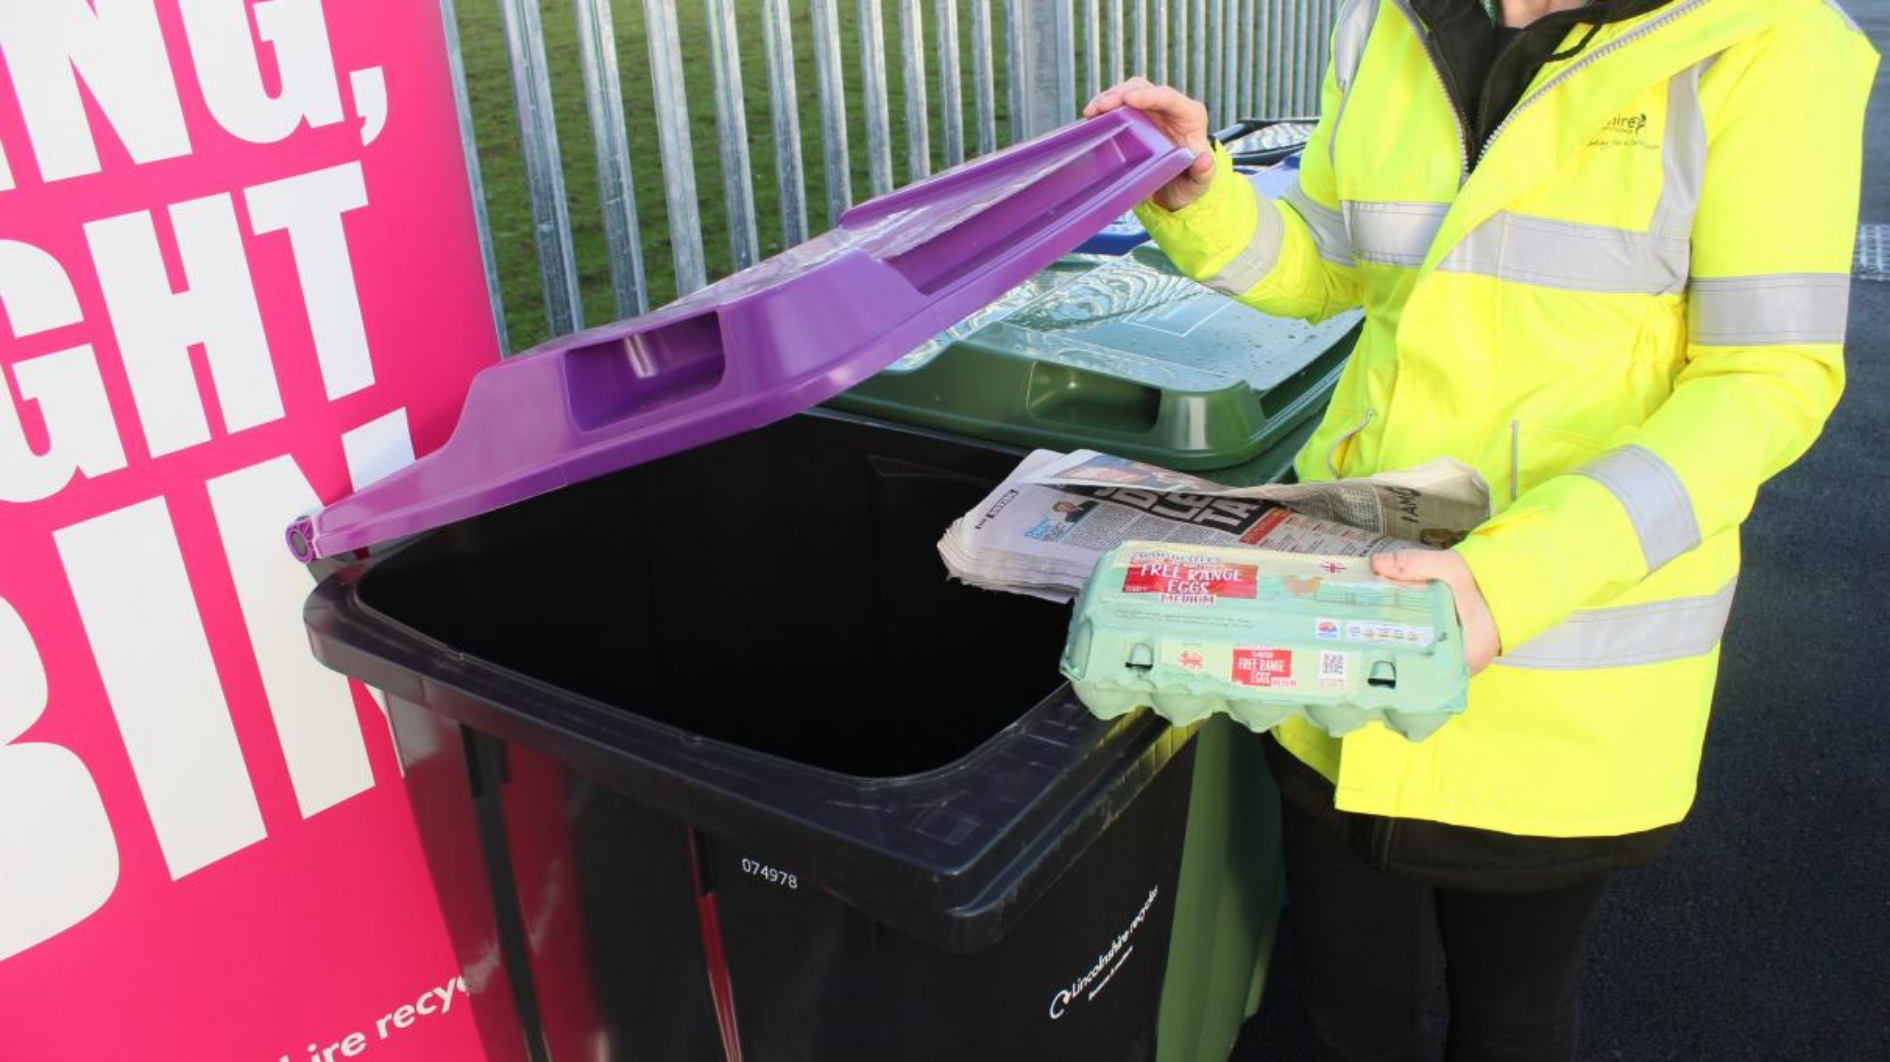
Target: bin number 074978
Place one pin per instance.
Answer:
(770, 874)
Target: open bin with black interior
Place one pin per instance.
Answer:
(915, 842)
(709, 758)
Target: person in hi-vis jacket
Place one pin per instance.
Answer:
(1603, 253)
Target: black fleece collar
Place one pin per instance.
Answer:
(1485, 83)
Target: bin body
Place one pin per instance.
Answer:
(752, 780)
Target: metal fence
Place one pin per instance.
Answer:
(970, 75)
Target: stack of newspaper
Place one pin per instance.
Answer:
(1043, 529)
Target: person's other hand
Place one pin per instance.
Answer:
(1480, 643)
(1185, 122)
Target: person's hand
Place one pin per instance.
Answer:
(1185, 122)
(1480, 643)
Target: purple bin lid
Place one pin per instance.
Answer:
(773, 340)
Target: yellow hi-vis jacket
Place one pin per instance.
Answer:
(1627, 315)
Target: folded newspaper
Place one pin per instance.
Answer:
(1043, 529)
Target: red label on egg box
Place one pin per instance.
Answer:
(1179, 582)
(1264, 667)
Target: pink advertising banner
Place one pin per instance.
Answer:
(238, 277)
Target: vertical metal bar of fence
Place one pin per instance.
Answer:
(1230, 61)
(1262, 57)
(1315, 22)
(830, 79)
(1159, 15)
(1276, 60)
(1138, 39)
(1112, 29)
(1305, 53)
(1178, 72)
(1236, 45)
(1250, 80)
(1322, 54)
(1017, 64)
(777, 41)
(616, 188)
(1231, 44)
(671, 111)
(1092, 48)
(1299, 57)
(1042, 36)
(475, 179)
(950, 71)
(1224, 43)
(1255, 57)
(1249, 57)
(1316, 26)
(544, 171)
(1289, 55)
(1289, 41)
(1211, 43)
(1064, 110)
(1197, 50)
(912, 60)
(1312, 57)
(983, 76)
(731, 127)
(873, 97)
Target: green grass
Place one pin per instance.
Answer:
(495, 124)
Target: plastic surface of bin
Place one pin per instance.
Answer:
(822, 803)
(1122, 355)
(1263, 143)
(745, 351)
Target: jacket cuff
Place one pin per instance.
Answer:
(1537, 563)
(1205, 235)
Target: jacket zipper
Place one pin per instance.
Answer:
(1590, 57)
(1437, 71)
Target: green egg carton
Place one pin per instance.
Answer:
(1263, 637)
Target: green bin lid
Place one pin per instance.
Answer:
(1119, 354)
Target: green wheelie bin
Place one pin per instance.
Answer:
(1126, 356)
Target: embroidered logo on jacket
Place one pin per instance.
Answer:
(1624, 130)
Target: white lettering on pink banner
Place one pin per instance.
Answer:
(238, 278)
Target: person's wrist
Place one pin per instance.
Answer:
(1193, 183)
(1177, 194)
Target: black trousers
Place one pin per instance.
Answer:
(1370, 940)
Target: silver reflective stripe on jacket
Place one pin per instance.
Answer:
(1571, 256)
(1656, 501)
(1256, 259)
(1579, 257)
(1393, 233)
(1629, 635)
(1349, 34)
(1682, 153)
(1327, 225)
(1768, 310)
